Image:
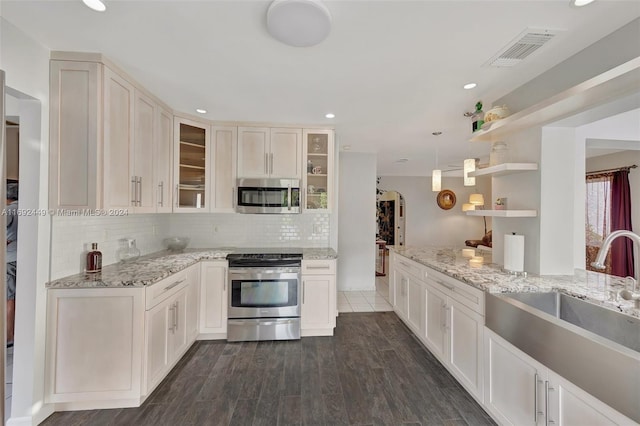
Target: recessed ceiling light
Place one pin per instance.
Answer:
(201, 111)
(436, 133)
(96, 5)
(469, 86)
(580, 3)
(330, 115)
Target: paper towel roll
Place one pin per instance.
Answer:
(514, 253)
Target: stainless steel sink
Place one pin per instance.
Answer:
(596, 348)
(620, 328)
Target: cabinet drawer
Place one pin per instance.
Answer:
(461, 292)
(169, 286)
(319, 267)
(411, 267)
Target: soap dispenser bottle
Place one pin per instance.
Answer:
(94, 259)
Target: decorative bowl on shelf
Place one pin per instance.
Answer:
(176, 243)
(496, 113)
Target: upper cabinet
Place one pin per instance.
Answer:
(103, 133)
(191, 154)
(163, 154)
(223, 175)
(318, 159)
(269, 152)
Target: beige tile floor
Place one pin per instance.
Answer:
(366, 301)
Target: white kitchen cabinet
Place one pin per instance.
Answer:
(213, 299)
(144, 140)
(120, 191)
(225, 155)
(319, 298)
(191, 159)
(94, 346)
(318, 174)
(75, 140)
(159, 327)
(269, 152)
(415, 306)
(163, 150)
(401, 279)
(103, 131)
(436, 317)
(518, 388)
(192, 303)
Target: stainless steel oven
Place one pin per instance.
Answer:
(264, 296)
(268, 196)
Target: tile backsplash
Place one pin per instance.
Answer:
(252, 230)
(72, 236)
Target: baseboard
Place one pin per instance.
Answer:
(319, 332)
(37, 418)
(212, 336)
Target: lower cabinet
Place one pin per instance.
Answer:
(213, 299)
(446, 315)
(520, 391)
(318, 298)
(110, 347)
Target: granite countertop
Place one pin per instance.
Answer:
(591, 286)
(152, 268)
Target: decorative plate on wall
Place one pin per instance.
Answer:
(446, 199)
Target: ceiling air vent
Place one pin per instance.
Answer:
(521, 47)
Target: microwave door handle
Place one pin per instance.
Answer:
(289, 197)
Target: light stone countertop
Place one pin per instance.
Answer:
(591, 286)
(154, 267)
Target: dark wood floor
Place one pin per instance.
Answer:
(372, 372)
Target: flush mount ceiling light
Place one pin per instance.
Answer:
(96, 5)
(201, 111)
(469, 86)
(330, 115)
(580, 3)
(299, 23)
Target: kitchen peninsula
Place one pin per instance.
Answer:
(505, 338)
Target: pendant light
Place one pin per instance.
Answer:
(469, 166)
(436, 174)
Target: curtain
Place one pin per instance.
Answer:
(622, 248)
(597, 220)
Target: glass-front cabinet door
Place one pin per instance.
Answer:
(192, 165)
(318, 155)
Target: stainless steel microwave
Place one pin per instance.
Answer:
(268, 196)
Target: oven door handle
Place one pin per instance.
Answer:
(266, 323)
(289, 197)
(252, 273)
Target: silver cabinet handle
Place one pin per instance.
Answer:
(271, 161)
(177, 196)
(403, 264)
(161, 190)
(288, 195)
(139, 190)
(170, 286)
(443, 313)
(536, 413)
(233, 197)
(319, 267)
(172, 310)
(547, 389)
(450, 287)
(134, 191)
(447, 318)
(175, 316)
(303, 287)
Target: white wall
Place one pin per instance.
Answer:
(26, 64)
(357, 221)
(426, 224)
(523, 192)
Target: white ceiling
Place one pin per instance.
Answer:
(392, 71)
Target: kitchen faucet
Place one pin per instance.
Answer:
(602, 253)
